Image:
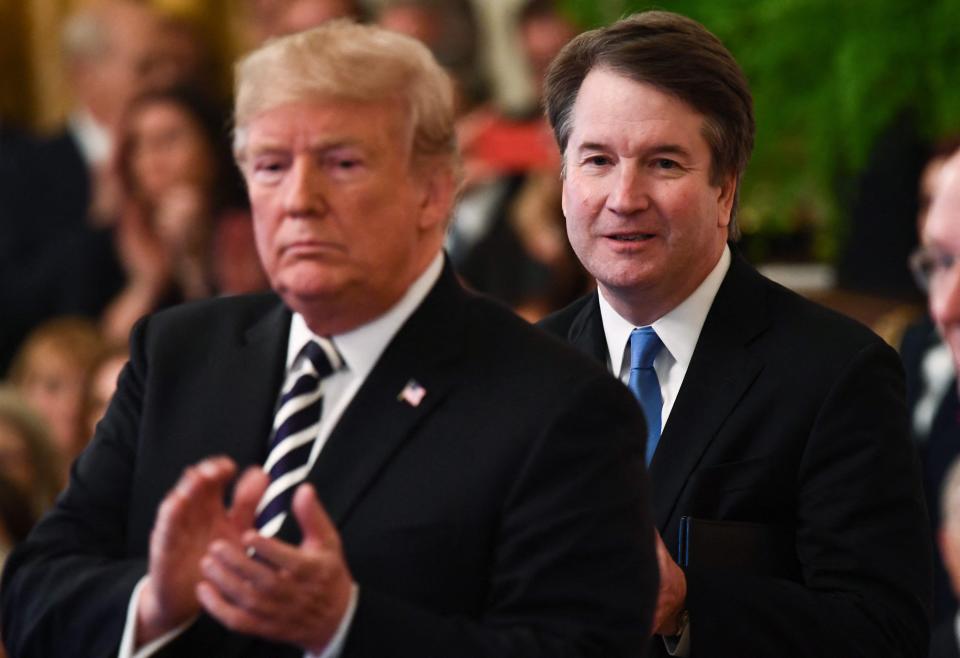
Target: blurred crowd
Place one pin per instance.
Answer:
(136, 204)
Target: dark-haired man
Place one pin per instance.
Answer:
(777, 432)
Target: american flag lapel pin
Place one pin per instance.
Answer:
(412, 393)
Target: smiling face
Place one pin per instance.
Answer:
(344, 223)
(642, 213)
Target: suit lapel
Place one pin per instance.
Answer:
(586, 331)
(252, 376)
(377, 421)
(721, 371)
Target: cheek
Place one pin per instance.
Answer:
(263, 235)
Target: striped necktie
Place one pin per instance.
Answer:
(643, 383)
(295, 428)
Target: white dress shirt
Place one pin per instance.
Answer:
(93, 140)
(679, 331)
(361, 349)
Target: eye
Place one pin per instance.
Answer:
(666, 163)
(597, 160)
(268, 169)
(343, 162)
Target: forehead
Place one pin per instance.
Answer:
(943, 222)
(320, 122)
(611, 108)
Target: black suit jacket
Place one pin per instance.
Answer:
(943, 643)
(52, 261)
(792, 417)
(506, 515)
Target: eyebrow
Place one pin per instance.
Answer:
(674, 149)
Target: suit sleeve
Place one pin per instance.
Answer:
(69, 583)
(862, 540)
(574, 573)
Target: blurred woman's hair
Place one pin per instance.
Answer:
(43, 460)
(227, 189)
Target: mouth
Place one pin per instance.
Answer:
(311, 247)
(631, 237)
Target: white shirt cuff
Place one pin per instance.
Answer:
(332, 650)
(127, 642)
(678, 645)
(335, 647)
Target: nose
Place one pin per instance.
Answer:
(303, 196)
(945, 297)
(628, 193)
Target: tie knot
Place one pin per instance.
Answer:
(644, 346)
(324, 357)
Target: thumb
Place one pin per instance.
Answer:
(317, 528)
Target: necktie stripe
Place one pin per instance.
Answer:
(282, 485)
(294, 410)
(295, 429)
(293, 441)
(304, 384)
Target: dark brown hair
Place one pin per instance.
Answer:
(678, 56)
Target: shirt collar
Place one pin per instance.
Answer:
(362, 347)
(679, 329)
(93, 139)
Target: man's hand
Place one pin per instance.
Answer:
(673, 592)
(191, 517)
(292, 594)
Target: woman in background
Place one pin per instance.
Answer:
(51, 371)
(184, 232)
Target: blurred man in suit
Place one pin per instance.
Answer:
(56, 252)
(931, 379)
(775, 426)
(438, 478)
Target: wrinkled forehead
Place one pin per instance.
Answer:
(325, 117)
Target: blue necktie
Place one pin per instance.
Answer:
(295, 429)
(644, 346)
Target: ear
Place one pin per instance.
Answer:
(726, 193)
(436, 202)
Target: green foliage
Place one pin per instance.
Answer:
(828, 78)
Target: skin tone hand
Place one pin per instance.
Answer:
(292, 594)
(189, 520)
(672, 594)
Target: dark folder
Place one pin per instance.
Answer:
(756, 548)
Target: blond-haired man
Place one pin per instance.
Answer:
(424, 475)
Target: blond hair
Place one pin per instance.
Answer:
(343, 60)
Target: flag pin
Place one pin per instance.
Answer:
(412, 393)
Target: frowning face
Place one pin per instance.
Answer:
(344, 223)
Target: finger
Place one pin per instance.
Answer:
(275, 553)
(243, 565)
(317, 528)
(233, 616)
(238, 590)
(208, 476)
(246, 496)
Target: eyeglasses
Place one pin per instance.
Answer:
(927, 263)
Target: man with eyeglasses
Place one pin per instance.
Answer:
(935, 266)
(935, 263)
(931, 384)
